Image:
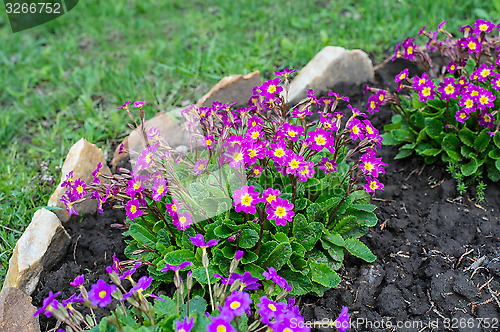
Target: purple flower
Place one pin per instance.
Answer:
(49, 303)
(96, 174)
(184, 326)
(482, 26)
(291, 131)
(485, 99)
(448, 89)
(357, 129)
(159, 188)
(328, 165)
(269, 195)
(172, 208)
(246, 199)
(220, 324)
(199, 241)
(139, 104)
(68, 303)
(115, 267)
(124, 106)
(142, 284)
(269, 309)
(209, 141)
(285, 72)
(271, 88)
(182, 220)
(237, 304)
(290, 321)
(409, 47)
(461, 116)
(235, 155)
(271, 274)
(472, 44)
(319, 139)
(100, 293)
(402, 75)
(495, 82)
(257, 170)
(200, 166)
(133, 209)
(342, 322)
(372, 165)
(248, 282)
(277, 152)
(451, 67)
(238, 255)
(427, 92)
(128, 274)
(486, 120)
(78, 281)
(176, 267)
(281, 211)
(372, 185)
(293, 163)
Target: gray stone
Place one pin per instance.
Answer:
(41, 246)
(82, 159)
(16, 312)
(332, 65)
(234, 88)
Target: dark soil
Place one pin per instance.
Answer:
(438, 254)
(436, 251)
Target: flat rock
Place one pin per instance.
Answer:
(170, 130)
(16, 312)
(234, 88)
(40, 247)
(82, 159)
(332, 65)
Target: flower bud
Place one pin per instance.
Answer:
(189, 281)
(254, 325)
(204, 258)
(133, 302)
(115, 278)
(281, 295)
(270, 290)
(236, 284)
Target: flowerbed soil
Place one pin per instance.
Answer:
(438, 255)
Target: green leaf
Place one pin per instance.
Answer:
(197, 305)
(482, 141)
(310, 235)
(280, 237)
(248, 238)
(335, 239)
(431, 152)
(497, 164)
(323, 274)
(298, 248)
(360, 250)
(494, 154)
(422, 137)
(248, 257)
(314, 212)
(467, 136)
(298, 264)
(364, 207)
(388, 139)
(345, 224)
(436, 103)
(300, 284)
(401, 135)
(179, 256)
(301, 203)
(494, 173)
(142, 235)
(335, 252)
(433, 127)
(470, 65)
(496, 139)
(265, 250)
(466, 151)
(163, 240)
(470, 168)
(454, 155)
(451, 142)
(403, 153)
(165, 308)
(223, 231)
(279, 256)
(200, 274)
(255, 270)
(299, 221)
(364, 218)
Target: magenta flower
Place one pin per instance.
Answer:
(49, 303)
(257, 170)
(427, 92)
(307, 171)
(289, 321)
(461, 116)
(269, 195)
(115, 267)
(277, 152)
(254, 152)
(254, 133)
(357, 129)
(142, 284)
(420, 82)
(133, 209)
(269, 309)
(485, 99)
(124, 106)
(96, 174)
(174, 268)
(301, 112)
(372, 165)
(483, 72)
(486, 120)
(482, 26)
(495, 82)
(448, 89)
(78, 190)
(173, 207)
(100, 293)
(319, 139)
(237, 304)
(128, 274)
(209, 141)
(139, 104)
(329, 124)
(372, 185)
(136, 185)
(182, 220)
(468, 102)
(235, 155)
(271, 274)
(159, 189)
(402, 75)
(69, 205)
(153, 134)
(246, 199)
(247, 281)
(373, 104)
(327, 165)
(200, 166)
(220, 324)
(451, 67)
(78, 281)
(271, 87)
(294, 163)
(68, 303)
(285, 72)
(342, 322)
(184, 326)
(472, 44)
(199, 241)
(281, 211)
(409, 46)
(291, 131)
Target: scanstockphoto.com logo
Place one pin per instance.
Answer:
(26, 14)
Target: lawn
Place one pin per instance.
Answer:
(65, 79)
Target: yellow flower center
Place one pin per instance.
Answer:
(79, 189)
(279, 152)
(270, 198)
(469, 103)
(369, 130)
(305, 171)
(182, 220)
(402, 76)
(160, 189)
(272, 307)
(237, 156)
(373, 185)
(256, 171)
(102, 294)
(452, 67)
(485, 72)
(329, 165)
(471, 45)
(449, 89)
(137, 185)
(133, 209)
(483, 100)
(294, 164)
(381, 97)
(255, 135)
(410, 50)
(368, 166)
(201, 167)
(487, 118)
(320, 140)
(208, 141)
(292, 133)
(421, 81)
(483, 27)
(235, 305)
(426, 92)
(246, 200)
(174, 207)
(355, 130)
(221, 328)
(462, 115)
(252, 153)
(474, 93)
(148, 157)
(271, 89)
(372, 104)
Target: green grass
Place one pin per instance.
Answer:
(65, 79)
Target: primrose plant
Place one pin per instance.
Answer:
(449, 113)
(289, 185)
(232, 308)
